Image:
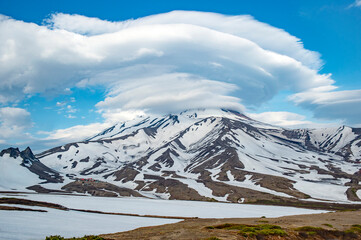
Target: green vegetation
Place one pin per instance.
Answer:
(54, 238)
(252, 230)
(262, 221)
(263, 229)
(310, 205)
(309, 229)
(212, 200)
(306, 196)
(353, 232)
(312, 233)
(81, 238)
(327, 225)
(355, 229)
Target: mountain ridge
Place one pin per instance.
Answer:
(216, 154)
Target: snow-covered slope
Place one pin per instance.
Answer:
(216, 154)
(19, 170)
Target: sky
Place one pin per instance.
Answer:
(69, 69)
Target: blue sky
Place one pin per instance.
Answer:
(67, 99)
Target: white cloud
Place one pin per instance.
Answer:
(176, 42)
(165, 62)
(71, 109)
(114, 115)
(288, 120)
(65, 107)
(14, 122)
(181, 91)
(78, 133)
(244, 26)
(284, 119)
(331, 104)
(83, 25)
(70, 116)
(75, 133)
(357, 3)
(61, 104)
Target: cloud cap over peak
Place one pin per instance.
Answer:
(164, 62)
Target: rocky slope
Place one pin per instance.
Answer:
(216, 155)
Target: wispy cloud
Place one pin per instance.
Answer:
(288, 120)
(357, 3)
(331, 104)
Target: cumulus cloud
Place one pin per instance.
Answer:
(14, 122)
(161, 63)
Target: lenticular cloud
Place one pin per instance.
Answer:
(180, 59)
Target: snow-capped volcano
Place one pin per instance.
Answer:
(215, 154)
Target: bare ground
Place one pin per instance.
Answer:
(334, 223)
(11, 208)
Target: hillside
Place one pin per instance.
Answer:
(213, 155)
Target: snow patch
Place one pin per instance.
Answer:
(13, 176)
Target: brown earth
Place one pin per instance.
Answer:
(11, 208)
(334, 226)
(27, 202)
(97, 188)
(40, 189)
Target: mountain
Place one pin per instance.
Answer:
(21, 169)
(212, 155)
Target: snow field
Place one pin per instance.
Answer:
(178, 208)
(20, 225)
(18, 181)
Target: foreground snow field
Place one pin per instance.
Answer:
(19, 225)
(144, 206)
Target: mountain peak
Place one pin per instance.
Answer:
(28, 154)
(13, 152)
